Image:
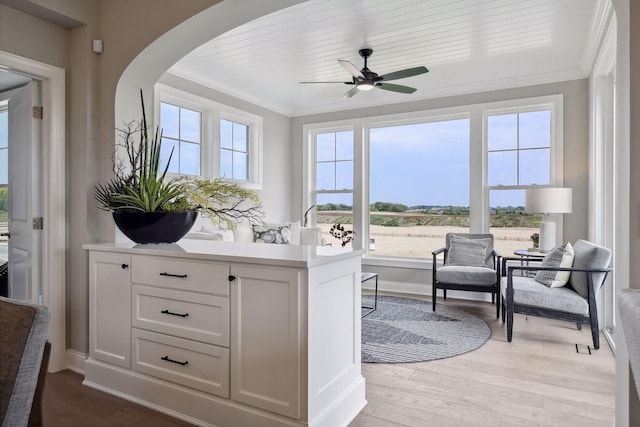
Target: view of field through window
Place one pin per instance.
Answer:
(418, 182)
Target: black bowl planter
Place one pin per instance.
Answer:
(155, 227)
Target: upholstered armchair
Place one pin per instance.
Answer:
(23, 359)
(564, 287)
(470, 264)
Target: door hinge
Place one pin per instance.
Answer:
(37, 112)
(37, 223)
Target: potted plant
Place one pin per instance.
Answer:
(149, 207)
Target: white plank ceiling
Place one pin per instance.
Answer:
(467, 45)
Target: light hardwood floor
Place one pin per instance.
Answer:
(536, 380)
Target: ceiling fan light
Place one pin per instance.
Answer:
(366, 86)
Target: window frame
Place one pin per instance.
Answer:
(211, 114)
(479, 191)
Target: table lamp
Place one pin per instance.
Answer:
(548, 201)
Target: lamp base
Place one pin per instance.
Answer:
(547, 235)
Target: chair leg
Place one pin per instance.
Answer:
(503, 309)
(493, 298)
(509, 323)
(595, 334)
(434, 292)
(445, 294)
(497, 298)
(579, 326)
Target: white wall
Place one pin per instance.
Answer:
(277, 178)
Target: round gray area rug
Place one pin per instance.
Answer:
(407, 330)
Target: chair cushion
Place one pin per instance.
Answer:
(466, 275)
(588, 255)
(562, 256)
(23, 334)
(530, 293)
(467, 252)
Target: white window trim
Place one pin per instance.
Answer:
(478, 190)
(211, 113)
(554, 103)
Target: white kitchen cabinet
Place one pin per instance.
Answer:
(266, 338)
(228, 334)
(110, 302)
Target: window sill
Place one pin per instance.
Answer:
(416, 264)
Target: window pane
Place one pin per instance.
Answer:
(4, 129)
(240, 136)
(4, 166)
(170, 120)
(419, 186)
(226, 134)
(502, 132)
(334, 209)
(189, 158)
(240, 165)
(535, 129)
(501, 168)
(226, 164)
(325, 176)
(165, 151)
(535, 167)
(325, 147)
(510, 225)
(189, 125)
(344, 145)
(344, 175)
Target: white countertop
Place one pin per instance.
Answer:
(255, 253)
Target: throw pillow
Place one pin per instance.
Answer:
(562, 256)
(272, 233)
(467, 252)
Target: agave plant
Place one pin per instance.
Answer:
(140, 185)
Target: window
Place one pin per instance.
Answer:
(209, 139)
(405, 180)
(518, 148)
(418, 186)
(334, 182)
(234, 150)
(4, 145)
(181, 135)
(518, 142)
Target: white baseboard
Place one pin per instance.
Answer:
(75, 361)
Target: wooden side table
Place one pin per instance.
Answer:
(363, 278)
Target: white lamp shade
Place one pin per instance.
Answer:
(548, 200)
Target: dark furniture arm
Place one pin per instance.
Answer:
(518, 259)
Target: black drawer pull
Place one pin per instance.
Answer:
(174, 314)
(166, 358)
(180, 276)
(125, 266)
(232, 278)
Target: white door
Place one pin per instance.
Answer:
(24, 191)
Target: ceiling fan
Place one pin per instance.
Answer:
(366, 79)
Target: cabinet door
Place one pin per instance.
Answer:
(266, 343)
(110, 308)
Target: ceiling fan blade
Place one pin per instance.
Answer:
(346, 83)
(396, 88)
(351, 69)
(409, 72)
(351, 93)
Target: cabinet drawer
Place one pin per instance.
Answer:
(199, 276)
(194, 316)
(201, 366)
